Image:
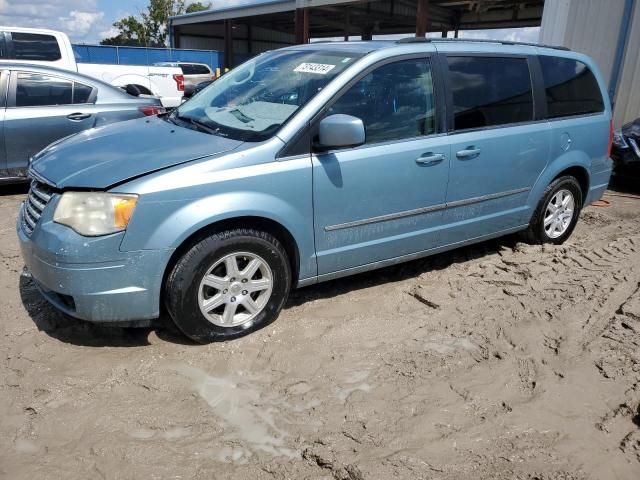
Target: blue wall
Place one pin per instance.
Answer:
(144, 56)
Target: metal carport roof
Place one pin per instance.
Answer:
(247, 27)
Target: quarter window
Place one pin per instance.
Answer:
(490, 91)
(394, 102)
(34, 89)
(571, 88)
(81, 92)
(34, 46)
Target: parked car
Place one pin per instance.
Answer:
(40, 105)
(626, 149)
(52, 48)
(194, 73)
(310, 163)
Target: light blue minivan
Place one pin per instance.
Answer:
(310, 163)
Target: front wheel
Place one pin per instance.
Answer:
(228, 285)
(557, 213)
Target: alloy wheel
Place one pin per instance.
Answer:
(559, 213)
(235, 289)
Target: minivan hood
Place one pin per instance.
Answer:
(101, 157)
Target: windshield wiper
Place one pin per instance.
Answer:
(203, 127)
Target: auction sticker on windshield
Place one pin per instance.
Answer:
(319, 68)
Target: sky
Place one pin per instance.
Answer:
(85, 21)
(89, 21)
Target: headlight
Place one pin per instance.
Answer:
(95, 213)
(619, 140)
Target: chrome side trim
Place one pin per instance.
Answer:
(13, 179)
(421, 211)
(384, 218)
(484, 198)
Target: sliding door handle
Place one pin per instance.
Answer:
(468, 153)
(430, 159)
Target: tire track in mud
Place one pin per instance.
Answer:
(531, 314)
(618, 349)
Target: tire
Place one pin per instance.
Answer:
(557, 233)
(255, 299)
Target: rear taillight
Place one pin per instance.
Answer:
(610, 147)
(149, 110)
(179, 81)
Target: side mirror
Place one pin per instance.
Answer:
(132, 90)
(340, 131)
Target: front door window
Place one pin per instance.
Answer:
(395, 101)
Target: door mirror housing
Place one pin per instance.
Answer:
(132, 90)
(339, 131)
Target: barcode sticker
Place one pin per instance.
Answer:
(319, 68)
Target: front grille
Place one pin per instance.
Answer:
(39, 195)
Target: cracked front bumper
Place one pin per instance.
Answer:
(90, 278)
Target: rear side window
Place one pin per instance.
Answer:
(34, 46)
(201, 70)
(571, 88)
(490, 91)
(36, 90)
(187, 69)
(394, 102)
(191, 69)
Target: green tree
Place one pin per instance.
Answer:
(197, 7)
(150, 28)
(131, 32)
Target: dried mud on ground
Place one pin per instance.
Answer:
(498, 361)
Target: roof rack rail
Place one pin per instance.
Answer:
(478, 40)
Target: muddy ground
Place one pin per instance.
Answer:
(499, 361)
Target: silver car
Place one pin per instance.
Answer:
(194, 74)
(39, 105)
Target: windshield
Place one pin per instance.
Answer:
(251, 102)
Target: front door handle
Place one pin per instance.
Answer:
(78, 116)
(430, 159)
(468, 153)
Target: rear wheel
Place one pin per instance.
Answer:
(228, 285)
(557, 213)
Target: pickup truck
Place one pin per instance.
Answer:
(53, 48)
